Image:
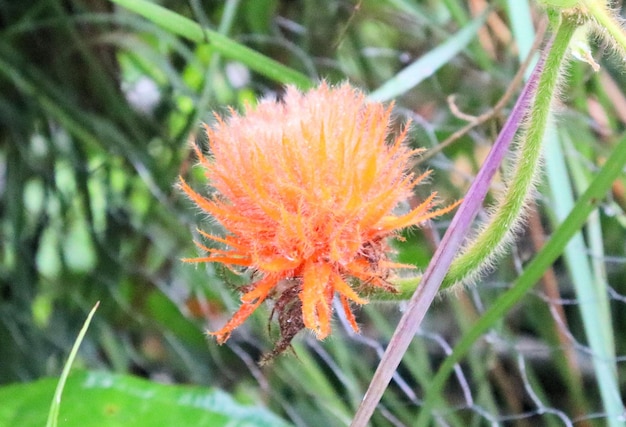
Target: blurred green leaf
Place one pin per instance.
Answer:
(178, 24)
(103, 399)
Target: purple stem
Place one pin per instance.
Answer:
(445, 253)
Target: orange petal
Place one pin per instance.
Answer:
(349, 315)
(261, 289)
(247, 308)
(360, 268)
(416, 216)
(276, 265)
(313, 297)
(345, 290)
(238, 318)
(323, 311)
(227, 241)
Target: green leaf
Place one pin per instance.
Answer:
(105, 400)
(184, 27)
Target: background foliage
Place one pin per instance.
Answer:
(96, 107)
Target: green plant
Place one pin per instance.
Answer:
(88, 210)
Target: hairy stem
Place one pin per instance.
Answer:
(509, 211)
(607, 22)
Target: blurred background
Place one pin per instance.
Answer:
(97, 106)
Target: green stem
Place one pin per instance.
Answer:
(577, 217)
(600, 11)
(487, 246)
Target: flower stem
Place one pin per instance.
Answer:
(600, 11)
(554, 247)
(508, 213)
(439, 265)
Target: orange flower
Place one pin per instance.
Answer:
(306, 190)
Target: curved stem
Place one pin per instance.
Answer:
(438, 267)
(607, 21)
(524, 171)
(508, 213)
(532, 273)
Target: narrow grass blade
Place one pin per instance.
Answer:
(595, 307)
(184, 27)
(53, 415)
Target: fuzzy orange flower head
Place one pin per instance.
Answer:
(306, 190)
